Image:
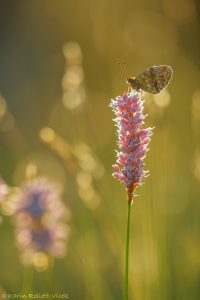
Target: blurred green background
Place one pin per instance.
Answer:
(58, 72)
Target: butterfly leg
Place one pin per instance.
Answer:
(141, 92)
(129, 89)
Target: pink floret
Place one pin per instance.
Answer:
(133, 140)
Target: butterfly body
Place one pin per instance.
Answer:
(152, 80)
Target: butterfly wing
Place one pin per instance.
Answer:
(155, 79)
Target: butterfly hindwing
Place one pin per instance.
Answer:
(154, 79)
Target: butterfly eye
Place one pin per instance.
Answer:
(130, 80)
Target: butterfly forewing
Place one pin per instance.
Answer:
(154, 79)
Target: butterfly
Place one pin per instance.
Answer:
(152, 80)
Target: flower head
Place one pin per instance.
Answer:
(40, 220)
(133, 141)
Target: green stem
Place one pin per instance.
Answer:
(127, 251)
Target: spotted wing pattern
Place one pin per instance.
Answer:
(154, 79)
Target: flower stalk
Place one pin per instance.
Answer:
(127, 251)
(133, 142)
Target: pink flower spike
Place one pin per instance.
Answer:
(133, 141)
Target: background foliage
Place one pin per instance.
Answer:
(35, 57)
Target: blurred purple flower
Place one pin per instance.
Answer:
(40, 219)
(132, 140)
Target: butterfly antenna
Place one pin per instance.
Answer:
(124, 67)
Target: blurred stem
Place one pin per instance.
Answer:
(27, 280)
(127, 251)
(49, 275)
